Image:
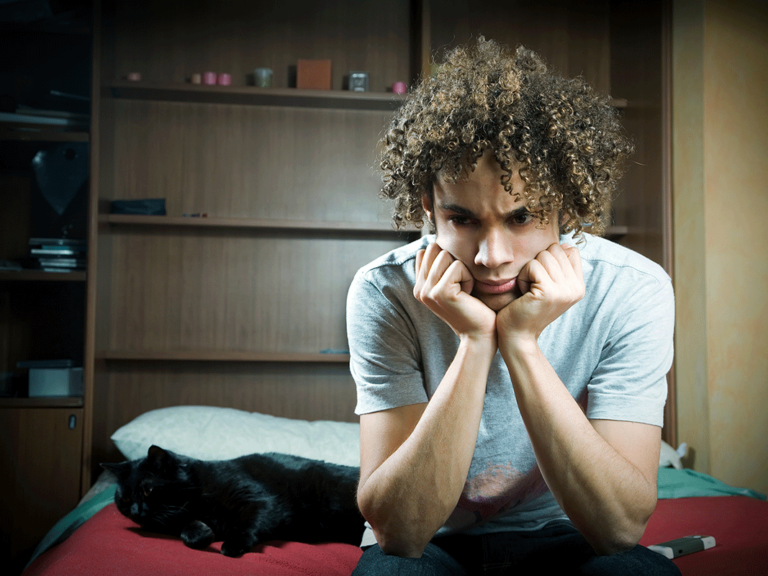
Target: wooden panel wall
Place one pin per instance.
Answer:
(573, 37)
(168, 41)
(248, 161)
(255, 292)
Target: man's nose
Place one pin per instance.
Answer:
(494, 249)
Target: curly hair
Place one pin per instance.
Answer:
(565, 140)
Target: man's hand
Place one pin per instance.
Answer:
(550, 284)
(444, 284)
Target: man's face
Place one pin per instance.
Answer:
(482, 225)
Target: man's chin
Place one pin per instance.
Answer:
(496, 301)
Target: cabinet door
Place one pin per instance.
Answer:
(40, 454)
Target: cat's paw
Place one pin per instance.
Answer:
(236, 547)
(197, 535)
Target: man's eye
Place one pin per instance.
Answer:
(459, 220)
(521, 219)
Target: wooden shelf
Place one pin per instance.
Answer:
(40, 275)
(27, 133)
(256, 223)
(262, 223)
(253, 96)
(45, 402)
(66, 23)
(223, 356)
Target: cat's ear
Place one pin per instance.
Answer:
(162, 461)
(119, 469)
(156, 453)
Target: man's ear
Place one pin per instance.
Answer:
(426, 203)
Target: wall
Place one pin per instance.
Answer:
(720, 137)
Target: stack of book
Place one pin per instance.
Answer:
(58, 254)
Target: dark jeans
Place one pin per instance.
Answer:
(559, 548)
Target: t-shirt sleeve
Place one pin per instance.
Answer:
(385, 358)
(629, 383)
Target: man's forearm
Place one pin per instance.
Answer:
(607, 498)
(411, 495)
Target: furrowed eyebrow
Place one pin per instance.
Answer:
(458, 209)
(522, 211)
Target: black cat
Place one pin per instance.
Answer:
(243, 501)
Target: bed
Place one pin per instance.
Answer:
(96, 539)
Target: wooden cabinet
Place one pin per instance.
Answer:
(40, 474)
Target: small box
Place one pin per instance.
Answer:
(313, 74)
(358, 81)
(53, 378)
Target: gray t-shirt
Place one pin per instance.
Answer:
(612, 350)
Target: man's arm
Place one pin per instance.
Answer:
(602, 472)
(415, 459)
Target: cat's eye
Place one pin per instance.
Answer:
(147, 491)
(125, 499)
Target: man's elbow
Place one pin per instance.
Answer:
(619, 539)
(396, 545)
(399, 531)
(615, 544)
(399, 538)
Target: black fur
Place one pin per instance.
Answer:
(243, 501)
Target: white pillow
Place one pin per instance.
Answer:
(209, 433)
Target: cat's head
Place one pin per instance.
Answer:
(154, 491)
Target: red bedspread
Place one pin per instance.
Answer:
(111, 544)
(739, 525)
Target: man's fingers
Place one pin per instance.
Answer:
(574, 257)
(532, 273)
(419, 258)
(424, 261)
(440, 265)
(431, 265)
(430, 254)
(553, 261)
(456, 273)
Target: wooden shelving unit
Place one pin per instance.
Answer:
(42, 314)
(249, 293)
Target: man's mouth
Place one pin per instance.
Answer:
(495, 287)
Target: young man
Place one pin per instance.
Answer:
(511, 369)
